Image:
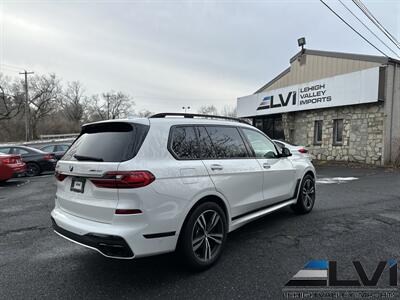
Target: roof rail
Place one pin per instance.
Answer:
(185, 115)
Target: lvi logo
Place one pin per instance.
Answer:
(324, 273)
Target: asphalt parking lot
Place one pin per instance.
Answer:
(356, 217)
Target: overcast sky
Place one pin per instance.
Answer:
(169, 54)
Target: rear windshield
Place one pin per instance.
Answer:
(107, 142)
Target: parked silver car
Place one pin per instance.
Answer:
(297, 151)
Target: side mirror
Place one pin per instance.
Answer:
(285, 152)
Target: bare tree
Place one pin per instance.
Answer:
(45, 93)
(208, 110)
(74, 102)
(229, 111)
(144, 113)
(95, 109)
(111, 105)
(54, 109)
(10, 99)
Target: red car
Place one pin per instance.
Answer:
(11, 165)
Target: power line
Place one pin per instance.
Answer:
(365, 39)
(11, 66)
(374, 20)
(369, 29)
(9, 69)
(366, 11)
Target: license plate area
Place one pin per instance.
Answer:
(78, 184)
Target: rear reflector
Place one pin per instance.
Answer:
(302, 150)
(127, 211)
(124, 179)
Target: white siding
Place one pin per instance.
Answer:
(317, 67)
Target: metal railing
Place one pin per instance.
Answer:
(58, 136)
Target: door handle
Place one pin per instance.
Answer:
(216, 167)
(266, 166)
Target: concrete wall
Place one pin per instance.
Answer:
(391, 153)
(314, 67)
(362, 132)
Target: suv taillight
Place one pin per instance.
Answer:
(59, 176)
(124, 179)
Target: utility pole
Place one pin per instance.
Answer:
(3, 95)
(108, 106)
(26, 104)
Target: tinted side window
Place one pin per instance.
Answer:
(184, 142)
(279, 144)
(21, 151)
(227, 142)
(48, 149)
(62, 148)
(5, 150)
(206, 148)
(261, 145)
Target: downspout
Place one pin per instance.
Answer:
(391, 111)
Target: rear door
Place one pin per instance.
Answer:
(279, 173)
(234, 173)
(99, 150)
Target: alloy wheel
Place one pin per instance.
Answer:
(32, 170)
(207, 235)
(308, 193)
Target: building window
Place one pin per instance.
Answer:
(338, 131)
(272, 126)
(318, 132)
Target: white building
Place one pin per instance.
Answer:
(342, 106)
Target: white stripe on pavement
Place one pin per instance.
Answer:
(330, 180)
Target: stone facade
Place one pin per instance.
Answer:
(362, 132)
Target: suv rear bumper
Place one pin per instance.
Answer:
(125, 238)
(108, 245)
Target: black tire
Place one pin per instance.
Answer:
(32, 169)
(202, 248)
(306, 198)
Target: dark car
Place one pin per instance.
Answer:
(36, 160)
(58, 149)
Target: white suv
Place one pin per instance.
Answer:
(139, 187)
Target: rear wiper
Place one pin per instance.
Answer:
(89, 158)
